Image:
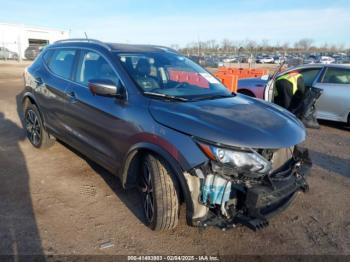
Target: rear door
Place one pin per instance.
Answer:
(52, 85)
(334, 103)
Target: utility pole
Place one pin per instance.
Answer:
(19, 45)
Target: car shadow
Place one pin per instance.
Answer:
(131, 198)
(19, 233)
(331, 163)
(338, 125)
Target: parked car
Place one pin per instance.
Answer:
(334, 80)
(32, 52)
(166, 126)
(311, 59)
(7, 54)
(278, 59)
(326, 60)
(265, 60)
(230, 60)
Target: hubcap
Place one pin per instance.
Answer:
(33, 127)
(147, 193)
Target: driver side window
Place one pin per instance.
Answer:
(309, 76)
(93, 66)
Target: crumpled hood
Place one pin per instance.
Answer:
(234, 121)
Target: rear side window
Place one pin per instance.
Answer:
(61, 62)
(337, 76)
(47, 55)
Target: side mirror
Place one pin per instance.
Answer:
(104, 87)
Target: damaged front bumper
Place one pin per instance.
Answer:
(221, 200)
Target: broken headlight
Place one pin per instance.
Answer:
(243, 160)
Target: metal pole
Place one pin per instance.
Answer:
(19, 43)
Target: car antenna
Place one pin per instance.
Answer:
(86, 36)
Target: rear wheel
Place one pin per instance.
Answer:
(36, 133)
(159, 195)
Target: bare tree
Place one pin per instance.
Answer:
(250, 45)
(303, 44)
(226, 45)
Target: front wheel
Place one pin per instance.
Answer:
(159, 195)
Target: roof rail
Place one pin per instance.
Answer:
(98, 42)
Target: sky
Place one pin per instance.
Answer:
(180, 22)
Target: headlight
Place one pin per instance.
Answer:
(246, 160)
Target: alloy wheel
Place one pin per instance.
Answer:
(147, 192)
(33, 127)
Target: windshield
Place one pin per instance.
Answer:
(171, 75)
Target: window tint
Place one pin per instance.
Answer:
(47, 56)
(94, 66)
(61, 62)
(309, 75)
(337, 76)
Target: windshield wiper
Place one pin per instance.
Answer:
(170, 97)
(211, 97)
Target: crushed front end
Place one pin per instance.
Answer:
(245, 187)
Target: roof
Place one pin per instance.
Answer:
(317, 65)
(117, 47)
(322, 65)
(137, 48)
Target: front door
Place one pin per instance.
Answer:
(95, 122)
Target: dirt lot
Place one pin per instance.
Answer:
(56, 202)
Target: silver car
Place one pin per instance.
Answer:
(334, 80)
(7, 54)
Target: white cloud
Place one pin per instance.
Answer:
(322, 25)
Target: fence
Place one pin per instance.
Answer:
(230, 76)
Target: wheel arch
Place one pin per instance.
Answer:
(28, 97)
(132, 163)
(245, 91)
(142, 148)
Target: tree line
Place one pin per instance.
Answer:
(227, 46)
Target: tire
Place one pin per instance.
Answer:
(160, 198)
(34, 127)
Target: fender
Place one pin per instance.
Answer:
(30, 95)
(177, 168)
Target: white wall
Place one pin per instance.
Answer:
(15, 37)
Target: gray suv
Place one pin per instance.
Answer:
(166, 126)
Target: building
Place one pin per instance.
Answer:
(18, 37)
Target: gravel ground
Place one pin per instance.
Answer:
(56, 202)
